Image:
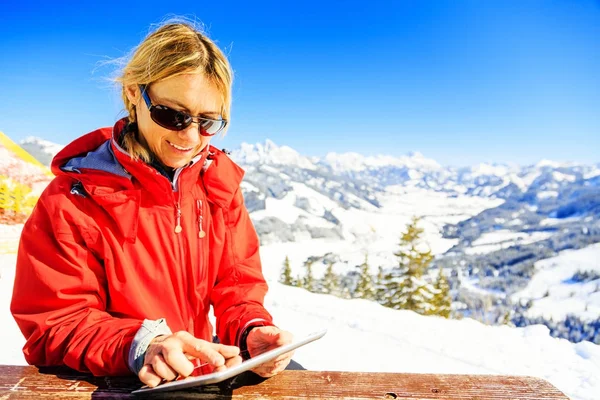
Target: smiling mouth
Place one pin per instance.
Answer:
(179, 147)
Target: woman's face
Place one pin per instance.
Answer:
(190, 93)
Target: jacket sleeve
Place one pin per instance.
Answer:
(59, 298)
(239, 292)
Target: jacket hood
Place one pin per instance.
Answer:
(95, 159)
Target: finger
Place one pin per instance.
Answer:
(283, 357)
(271, 365)
(263, 372)
(274, 336)
(226, 351)
(162, 369)
(148, 376)
(273, 369)
(221, 368)
(279, 368)
(178, 361)
(233, 361)
(230, 362)
(285, 337)
(203, 350)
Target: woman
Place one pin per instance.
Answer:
(144, 228)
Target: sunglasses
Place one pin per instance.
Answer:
(178, 120)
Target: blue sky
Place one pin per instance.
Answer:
(460, 81)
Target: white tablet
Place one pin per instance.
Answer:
(216, 377)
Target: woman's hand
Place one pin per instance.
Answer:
(168, 357)
(264, 338)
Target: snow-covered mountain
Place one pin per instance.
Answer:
(489, 225)
(534, 194)
(341, 163)
(269, 153)
(42, 150)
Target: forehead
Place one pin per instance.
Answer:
(192, 91)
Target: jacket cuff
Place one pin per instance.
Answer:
(148, 331)
(243, 334)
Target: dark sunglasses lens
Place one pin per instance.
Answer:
(169, 118)
(209, 127)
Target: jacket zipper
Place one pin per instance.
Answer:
(185, 275)
(201, 243)
(178, 228)
(201, 232)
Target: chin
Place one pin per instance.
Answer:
(179, 164)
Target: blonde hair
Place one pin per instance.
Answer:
(174, 48)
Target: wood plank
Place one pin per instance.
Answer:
(63, 383)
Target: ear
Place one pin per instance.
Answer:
(133, 93)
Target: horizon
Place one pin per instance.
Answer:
(409, 154)
(463, 83)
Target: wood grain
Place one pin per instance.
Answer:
(62, 383)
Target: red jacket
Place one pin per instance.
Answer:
(100, 254)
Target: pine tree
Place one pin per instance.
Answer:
(330, 282)
(309, 281)
(380, 287)
(406, 287)
(299, 282)
(365, 289)
(442, 300)
(286, 273)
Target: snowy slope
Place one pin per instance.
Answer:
(375, 231)
(555, 294)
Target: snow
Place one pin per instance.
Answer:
(521, 184)
(489, 169)
(248, 187)
(376, 232)
(549, 163)
(558, 221)
(528, 179)
(42, 150)
(270, 153)
(560, 177)
(357, 162)
(592, 174)
(553, 277)
(547, 194)
(502, 239)
(286, 211)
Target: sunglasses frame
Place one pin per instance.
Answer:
(199, 121)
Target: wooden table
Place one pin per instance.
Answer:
(63, 383)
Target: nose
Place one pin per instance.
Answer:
(190, 134)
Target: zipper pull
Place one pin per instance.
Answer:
(201, 232)
(178, 227)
